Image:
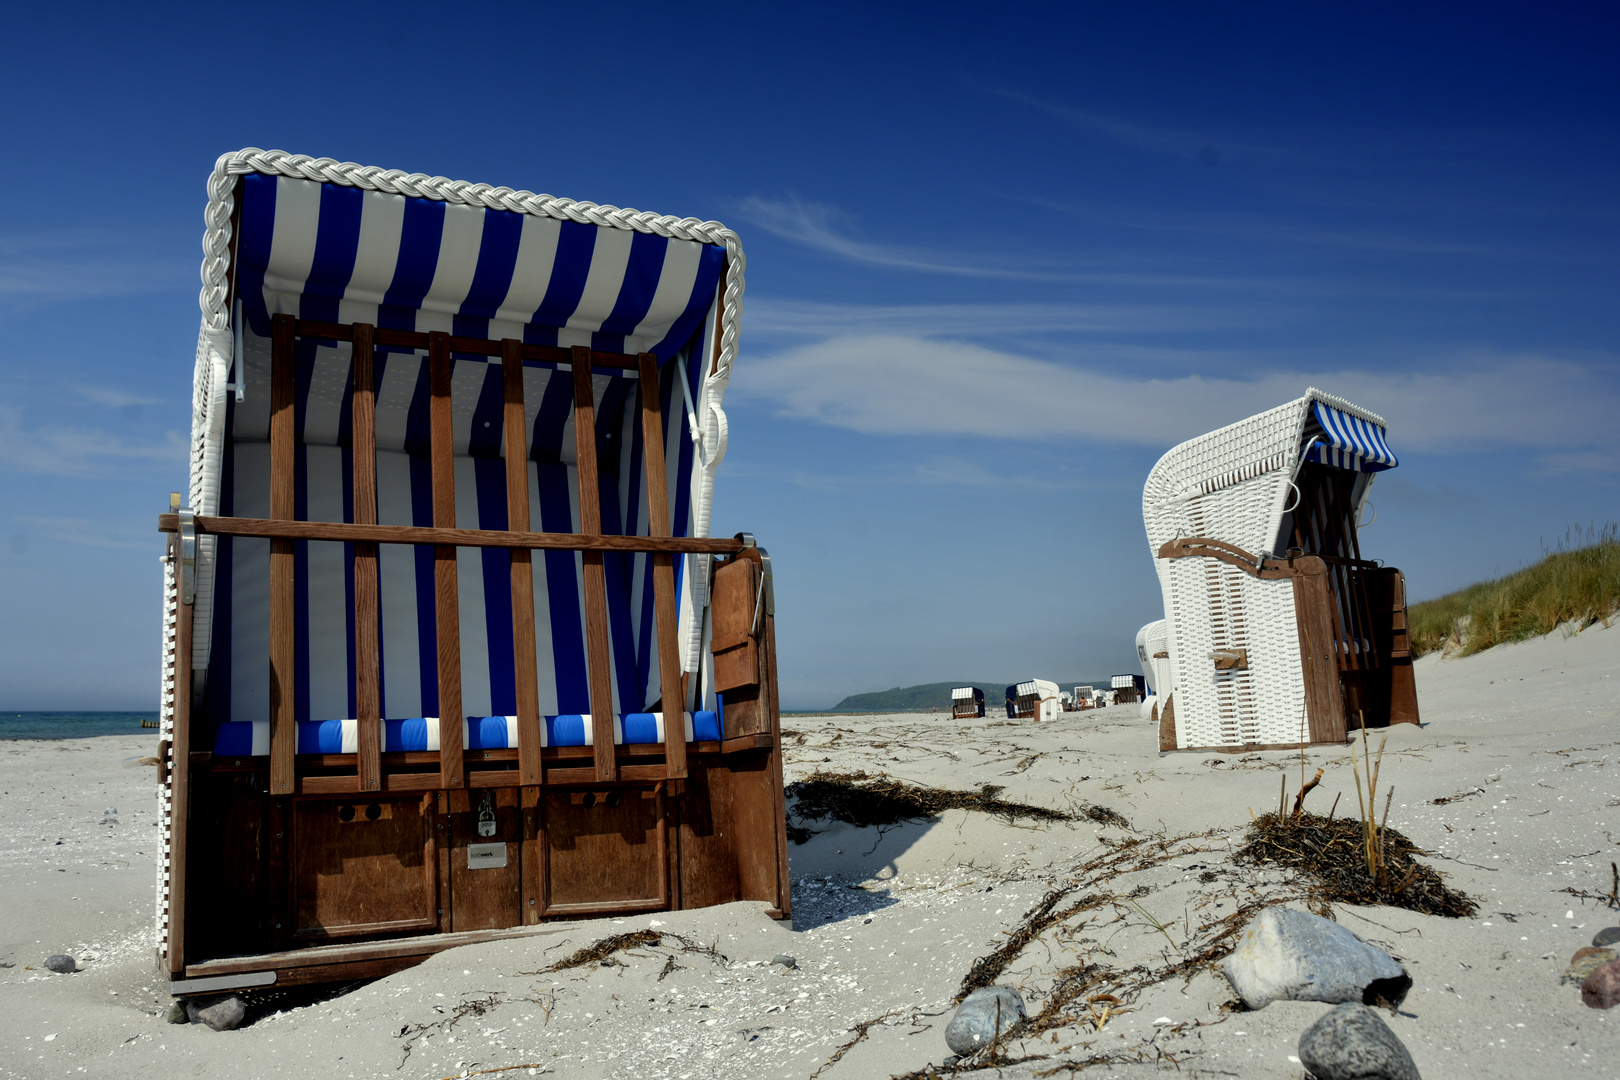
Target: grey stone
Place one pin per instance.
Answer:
(785, 960)
(62, 964)
(176, 1013)
(1606, 936)
(983, 1016)
(1352, 1042)
(222, 1013)
(1287, 955)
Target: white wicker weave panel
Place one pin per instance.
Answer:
(1217, 606)
(1213, 605)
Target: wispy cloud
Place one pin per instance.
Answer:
(79, 265)
(801, 318)
(893, 384)
(66, 450)
(827, 229)
(112, 397)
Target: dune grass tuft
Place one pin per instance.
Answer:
(1577, 582)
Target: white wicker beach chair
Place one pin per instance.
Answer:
(1276, 631)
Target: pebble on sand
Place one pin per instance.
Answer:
(62, 964)
(1607, 936)
(1601, 989)
(983, 1016)
(1352, 1042)
(784, 960)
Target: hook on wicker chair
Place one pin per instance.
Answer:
(1364, 504)
(1297, 497)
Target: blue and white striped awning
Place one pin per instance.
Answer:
(333, 253)
(1348, 442)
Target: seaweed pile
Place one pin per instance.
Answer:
(1330, 853)
(862, 800)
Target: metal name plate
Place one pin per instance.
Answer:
(486, 856)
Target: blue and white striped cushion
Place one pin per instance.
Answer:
(251, 738)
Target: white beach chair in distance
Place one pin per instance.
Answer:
(1278, 632)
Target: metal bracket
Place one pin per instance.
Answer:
(769, 587)
(188, 556)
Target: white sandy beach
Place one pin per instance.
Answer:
(888, 922)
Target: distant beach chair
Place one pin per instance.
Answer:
(1128, 689)
(449, 650)
(967, 702)
(1153, 650)
(1036, 699)
(1277, 632)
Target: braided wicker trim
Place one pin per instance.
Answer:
(221, 187)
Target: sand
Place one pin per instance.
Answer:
(889, 921)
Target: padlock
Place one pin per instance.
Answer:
(486, 817)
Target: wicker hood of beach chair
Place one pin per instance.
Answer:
(443, 572)
(1277, 633)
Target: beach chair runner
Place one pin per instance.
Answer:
(455, 334)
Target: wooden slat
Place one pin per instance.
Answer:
(532, 856)
(590, 521)
(517, 520)
(367, 646)
(283, 726)
(669, 661)
(1313, 610)
(447, 604)
(180, 794)
(415, 339)
(414, 534)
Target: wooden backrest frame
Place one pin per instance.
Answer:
(283, 531)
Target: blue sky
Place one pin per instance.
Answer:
(1000, 259)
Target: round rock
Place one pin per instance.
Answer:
(1601, 989)
(784, 960)
(1287, 955)
(984, 1016)
(62, 964)
(177, 1013)
(1606, 936)
(222, 1013)
(1352, 1042)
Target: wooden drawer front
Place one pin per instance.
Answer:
(363, 867)
(605, 850)
(485, 897)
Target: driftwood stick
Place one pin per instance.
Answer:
(1299, 800)
(1335, 806)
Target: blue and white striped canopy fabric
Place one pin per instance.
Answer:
(334, 253)
(1348, 442)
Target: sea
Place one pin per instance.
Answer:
(74, 725)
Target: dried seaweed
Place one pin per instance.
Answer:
(1330, 852)
(862, 800)
(599, 952)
